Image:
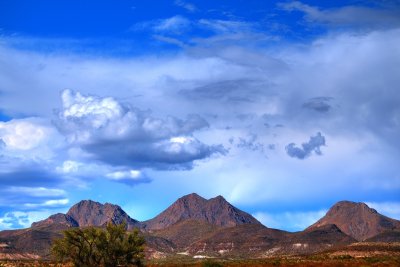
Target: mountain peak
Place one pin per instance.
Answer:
(193, 197)
(218, 198)
(92, 213)
(216, 211)
(357, 220)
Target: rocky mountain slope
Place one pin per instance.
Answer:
(196, 227)
(216, 211)
(357, 220)
(89, 213)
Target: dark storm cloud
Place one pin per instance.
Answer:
(313, 145)
(124, 136)
(30, 186)
(320, 104)
(29, 175)
(164, 155)
(229, 91)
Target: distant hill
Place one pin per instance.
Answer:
(357, 220)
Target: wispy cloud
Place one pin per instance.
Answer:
(356, 16)
(173, 25)
(36, 191)
(54, 203)
(226, 26)
(186, 5)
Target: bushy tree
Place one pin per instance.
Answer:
(112, 246)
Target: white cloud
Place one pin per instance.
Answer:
(69, 166)
(76, 105)
(36, 191)
(174, 24)
(23, 134)
(48, 203)
(131, 174)
(129, 177)
(21, 219)
(124, 136)
(180, 139)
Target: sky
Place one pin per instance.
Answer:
(282, 107)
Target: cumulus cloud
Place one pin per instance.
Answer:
(121, 135)
(313, 145)
(24, 134)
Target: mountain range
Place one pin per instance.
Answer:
(194, 226)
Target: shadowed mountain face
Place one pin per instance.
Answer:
(216, 211)
(91, 213)
(357, 220)
(88, 213)
(56, 219)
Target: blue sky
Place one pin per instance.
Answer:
(282, 107)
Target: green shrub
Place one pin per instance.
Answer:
(211, 264)
(89, 247)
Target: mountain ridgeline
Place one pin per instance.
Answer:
(216, 211)
(89, 213)
(194, 226)
(357, 220)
